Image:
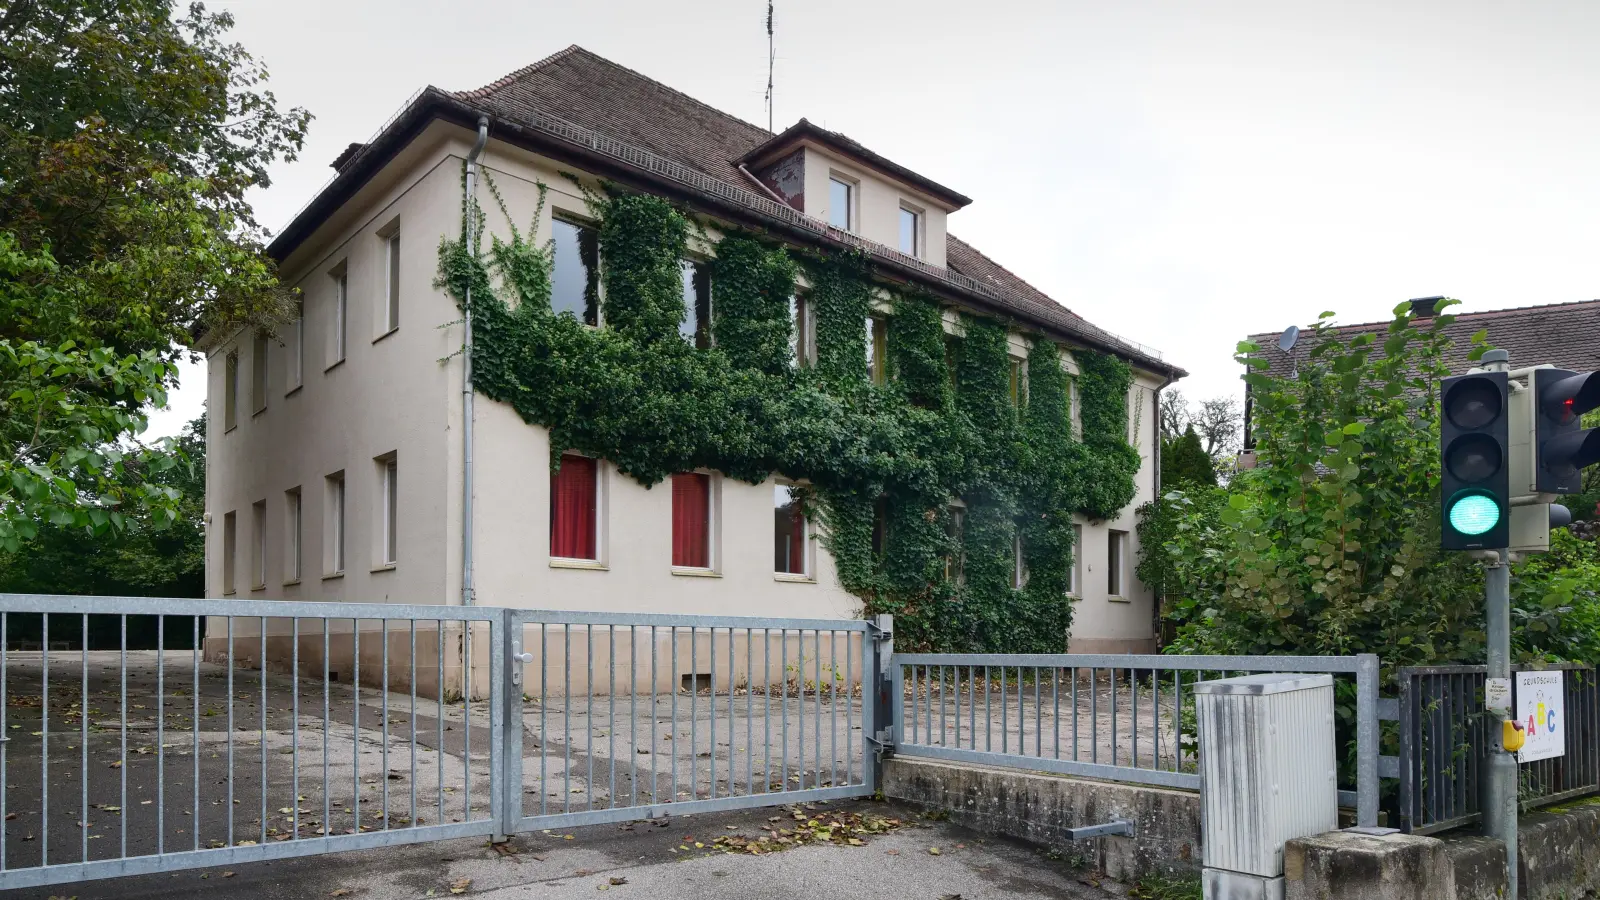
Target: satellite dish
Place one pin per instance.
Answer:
(1287, 339)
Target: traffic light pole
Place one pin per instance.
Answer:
(1500, 791)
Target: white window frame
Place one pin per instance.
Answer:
(600, 557)
(918, 242)
(295, 372)
(805, 574)
(801, 346)
(1076, 407)
(391, 279)
(713, 527)
(852, 200)
(258, 374)
(1019, 562)
(1075, 573)
(339, 334)
(230, 548)
(230, 391)
(336, 505)
(1117, 545)
(294, 520)
(387, 550)
(258, 545)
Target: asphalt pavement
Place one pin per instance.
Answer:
(645, 860)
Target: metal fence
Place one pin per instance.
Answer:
(1446, 732)
(288, 729)
(1125, 718)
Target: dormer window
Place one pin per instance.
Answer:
(910, 232)
(841, 203)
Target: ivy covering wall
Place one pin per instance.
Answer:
(885, 465)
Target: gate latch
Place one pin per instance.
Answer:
(518, 659)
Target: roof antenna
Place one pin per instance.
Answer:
(771, 55)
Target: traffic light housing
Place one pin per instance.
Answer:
(1562, 446)
(1474, 458)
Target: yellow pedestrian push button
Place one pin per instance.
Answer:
(1511, 736)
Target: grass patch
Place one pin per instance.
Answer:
(1166, 887)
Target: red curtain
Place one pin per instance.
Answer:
(691, 520)
(572, 496)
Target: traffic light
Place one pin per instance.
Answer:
(1563, 447)
(1473, 448)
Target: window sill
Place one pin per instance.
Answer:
(229, 593)
(334, 365)
(695, 572)
(231, 428)
(386, 567)
(1113, 598)
(257, 587)
(294, 390)
(791, 578)
(593, 565)
(386, 334)
(332, 575)
(258, 412)
(291, 582)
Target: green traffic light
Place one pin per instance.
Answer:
(1474, 514)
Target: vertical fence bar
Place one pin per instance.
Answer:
(711, 706)
(438, 715)
(1038, 716)
(749, 711)
(783, 716)
(672, 735)
(195, 654)
(355, 721)
(262, 662)
(294, 756)
(915, 730)
(1005, 729)
(988, 713)
(5, 701)
(327, 794)
(611, 706)
(83, 743)
(849, 700)
(653, 714)
(1094, 717)
(544, 722)
(161, 733)
(1133, 717)
(44, 742)
(1155, 718)
(383, 635)
(122, 758)
(411, 675)
(833, 707)
(633, 712)
(1055, 700)
(694, 720)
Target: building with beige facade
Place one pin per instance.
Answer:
(336, 454)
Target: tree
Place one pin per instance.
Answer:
(144, 558)
(1185, 464)
(1175, 415)
(1219, 422)
(128, 138)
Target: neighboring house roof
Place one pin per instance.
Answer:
(613, 121)
(1566, 335)
(804, 129)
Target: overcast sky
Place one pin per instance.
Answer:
(1181, 173)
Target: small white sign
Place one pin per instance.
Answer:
(1497, 694)
(1542, 713)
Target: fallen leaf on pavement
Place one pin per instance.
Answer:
(618, 881)
(340, 892)
(460, 885)
(933, 851)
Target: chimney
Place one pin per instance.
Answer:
(1423, 307)
(348, 155)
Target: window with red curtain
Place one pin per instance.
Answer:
(572, 508)
(691, 520)
(789, 529)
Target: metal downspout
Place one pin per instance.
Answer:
(470, 217)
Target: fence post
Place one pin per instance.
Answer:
(880, 704)
(1367, 739)
(505, 734)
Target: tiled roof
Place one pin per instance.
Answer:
(600, 109)
(1566, 335)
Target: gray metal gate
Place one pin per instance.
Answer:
(259, 730)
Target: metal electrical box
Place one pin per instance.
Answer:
(1268, 775)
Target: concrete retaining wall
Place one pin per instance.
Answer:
(1039, 807)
